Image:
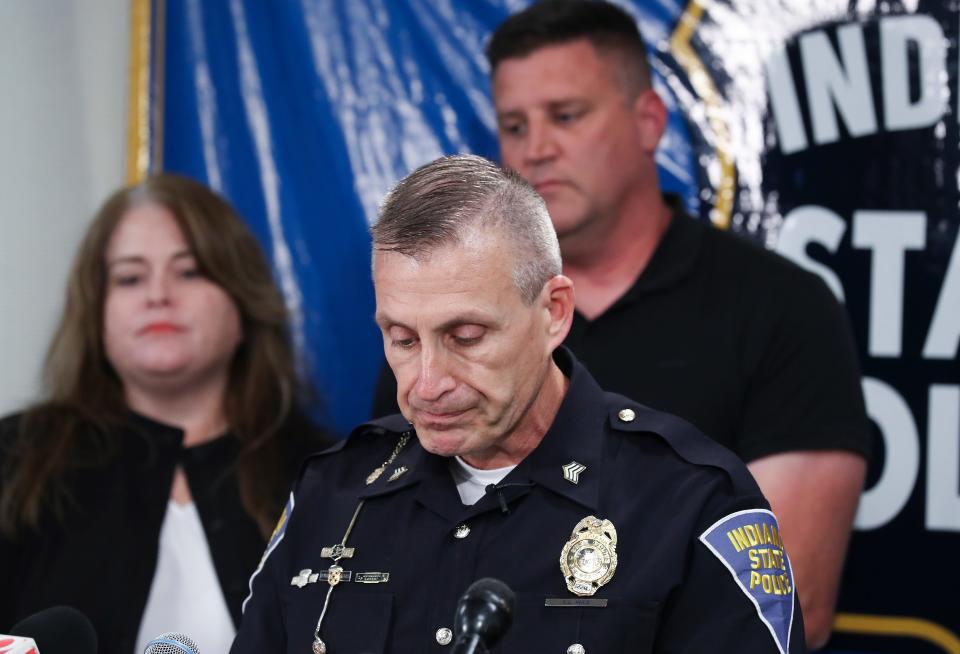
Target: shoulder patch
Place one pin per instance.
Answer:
(275, 539)
(749, 546)
(281, 527)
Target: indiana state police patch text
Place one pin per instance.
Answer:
(749, 545)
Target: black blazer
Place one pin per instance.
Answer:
(101, 559)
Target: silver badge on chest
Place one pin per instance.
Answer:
(589, 558)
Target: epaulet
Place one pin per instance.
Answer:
(690, 444)
(392, 424)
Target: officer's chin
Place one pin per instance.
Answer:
(442, 442)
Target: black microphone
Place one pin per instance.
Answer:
(484, 614)
(59, 630)
(171, 643)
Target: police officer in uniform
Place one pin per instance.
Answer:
(620, 528)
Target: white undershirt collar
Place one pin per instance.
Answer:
(472, 482)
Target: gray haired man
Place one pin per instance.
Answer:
(619, 528)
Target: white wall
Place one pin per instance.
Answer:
(63, 85)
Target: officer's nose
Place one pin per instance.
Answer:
(434, 378)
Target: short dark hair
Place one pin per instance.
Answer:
(442, 202)
(555, 22)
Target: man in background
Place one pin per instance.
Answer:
(671, 312)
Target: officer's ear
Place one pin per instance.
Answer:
(557, 300)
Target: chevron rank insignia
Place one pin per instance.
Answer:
(571, 472)
(397, 473)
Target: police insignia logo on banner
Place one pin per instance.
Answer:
(749, 546)
(589, 558)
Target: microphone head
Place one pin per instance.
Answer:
(485, 610)
(59, 629)
(171, 643)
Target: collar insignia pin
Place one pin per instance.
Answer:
(396, 473)
(589, 558)
(571, 472)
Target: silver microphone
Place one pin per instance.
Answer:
(171, 643)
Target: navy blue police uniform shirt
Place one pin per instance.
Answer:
(697, 562)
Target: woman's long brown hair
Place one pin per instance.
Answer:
(83, 393)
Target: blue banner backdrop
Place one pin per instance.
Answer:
(826, 130)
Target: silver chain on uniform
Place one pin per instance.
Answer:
(319, 647)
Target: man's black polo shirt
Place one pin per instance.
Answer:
(749, 347)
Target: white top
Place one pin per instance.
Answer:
(472, 482)
(185, 595)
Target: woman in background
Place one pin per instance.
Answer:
(141, 490)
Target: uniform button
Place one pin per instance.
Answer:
(461, 532)
(576, 648)
(444, 636)
(626, 415)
